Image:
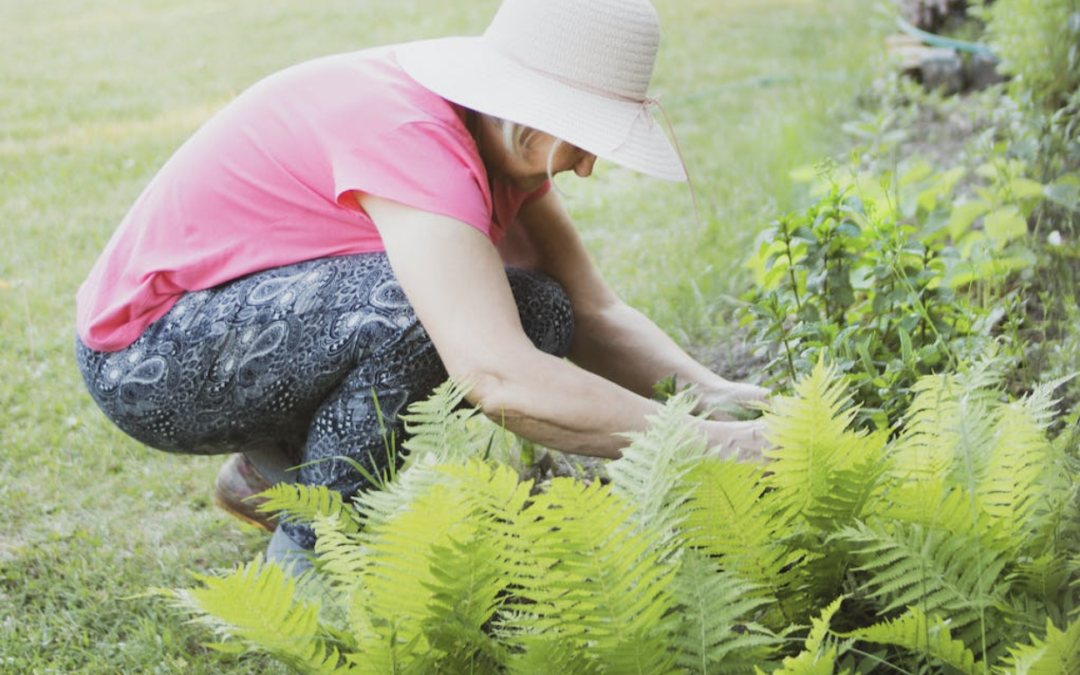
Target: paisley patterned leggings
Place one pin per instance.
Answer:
(316, 360)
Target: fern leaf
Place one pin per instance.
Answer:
(398, 568)
(730, 514)
(1045, 578)
(1059, 654)
(306, 503)
(256, 603)
(444, 427)
(376, 508)
(434, 570)
(651, 473)
(819, 656)
(940, 573)
(541, 655)
(915, 633)
(340, 555)
(1014, 489)
(823, 471)
(466, 593)
(593, 579)
(716, 634)
(943, 413)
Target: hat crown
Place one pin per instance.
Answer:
(605, 47)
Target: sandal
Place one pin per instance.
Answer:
(236, 488)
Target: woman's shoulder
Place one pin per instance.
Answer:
(368, 84)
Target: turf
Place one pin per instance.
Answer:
(96, 94)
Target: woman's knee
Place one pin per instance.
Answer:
(544, 307)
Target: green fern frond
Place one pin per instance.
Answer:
(906, 565)
(435, 569)
(819, 655)
(466, 592)
(716, 634)
(398, 572)
(1017, 489)
(1059, 654)
(306, 503)
(445, 428)
(541, 655)
(916, 634)
(593, 579)
(651, 474)
(933, 505)
(730, 514)
(943, 414)
(257, 603)
(375, 508)
(823, 470)
(340, 556)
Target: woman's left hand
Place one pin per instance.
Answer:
(733, 400)
(741, 441)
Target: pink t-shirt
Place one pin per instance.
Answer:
(267, 182)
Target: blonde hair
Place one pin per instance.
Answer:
(517, 138)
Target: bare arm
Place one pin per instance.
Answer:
(613, 339)
(454, 279)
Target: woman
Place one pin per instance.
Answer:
(350, 231)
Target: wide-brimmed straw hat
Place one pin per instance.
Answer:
(576, 69)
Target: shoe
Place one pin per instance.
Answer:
(235, 489)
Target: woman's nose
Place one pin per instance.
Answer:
(585, 165)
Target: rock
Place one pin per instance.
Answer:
(983, 72)
(906, 52)
(942, 70)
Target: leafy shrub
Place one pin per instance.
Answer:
(892, 277)
(1038, 41)
(954, 547)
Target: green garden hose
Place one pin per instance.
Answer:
(939, 41)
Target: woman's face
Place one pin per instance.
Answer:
(528, 170)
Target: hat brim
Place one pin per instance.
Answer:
(466, 71)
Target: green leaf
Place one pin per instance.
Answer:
(257, 603)
(1059, 654)
(1025, 188)
(1064, 194)
(1005, 224)
(963, 216)
(915, 633)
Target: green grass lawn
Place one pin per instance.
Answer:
(96, 94)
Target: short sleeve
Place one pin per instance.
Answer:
(423, 164)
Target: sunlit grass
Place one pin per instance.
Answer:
(96, 94)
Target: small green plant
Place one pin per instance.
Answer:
(896, 275)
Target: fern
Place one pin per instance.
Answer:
(906, 565)
(466, 593)
(1017, 490)
(257, 604)
(445, 427)
(305, 503)
(731, 515)
(819, 655)
(823, 471)
(541, 655)
(715, 635)
(915, 633)
(687, 563)
(1059, 654)
(934, 426)
(398, 571)
(651, 475)
(595, 582)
